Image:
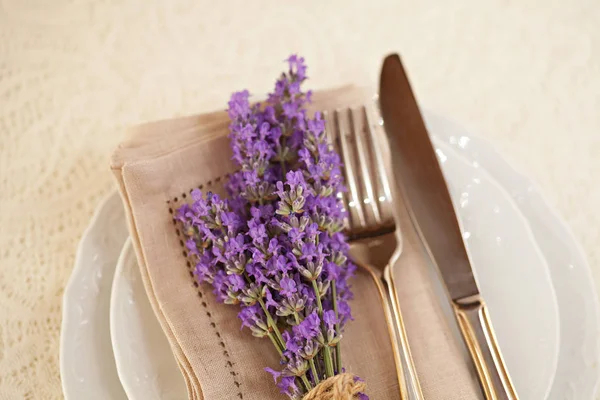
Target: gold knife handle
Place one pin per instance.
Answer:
(476, 327)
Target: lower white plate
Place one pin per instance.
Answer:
(87, 365)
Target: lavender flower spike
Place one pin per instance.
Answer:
(275, 247)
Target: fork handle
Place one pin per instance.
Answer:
(477, 330)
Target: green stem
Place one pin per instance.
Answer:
(283, 169)
(328, 361)
(318, 296)
(319, 364)
(297, 381)
(282, 161)
(338, 350)
(272, 323)
(276, 344)
(280, 342)
(306, 382)
(326, 351)
(314, 371)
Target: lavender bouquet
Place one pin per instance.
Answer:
(275, 246)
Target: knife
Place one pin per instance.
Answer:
(419, 177)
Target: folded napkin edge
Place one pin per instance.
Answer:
(136, 147)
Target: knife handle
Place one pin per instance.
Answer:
(477, 330)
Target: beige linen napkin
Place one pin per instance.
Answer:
(156, 167)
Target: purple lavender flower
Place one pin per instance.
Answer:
(288, 386)
(235, 283)
(276, 374)
(344, 312)
(270, 300)
(287, 287)
(275, 246)
(309, 328)
(239, 107)
(297, 67)
(249, 315)
(291, 343)
(329, 319)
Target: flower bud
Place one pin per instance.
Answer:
(298, 204)
(310, 350)
(259, 331)
(304, 221)
(339, 258)
(283, 209)
(232, 298)
(298, 367)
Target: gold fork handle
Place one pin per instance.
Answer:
(476, 327)
(413, 386)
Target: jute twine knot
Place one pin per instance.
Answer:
(339, 387)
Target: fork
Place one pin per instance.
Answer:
(370, 225)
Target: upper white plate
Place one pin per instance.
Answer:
(87, 365)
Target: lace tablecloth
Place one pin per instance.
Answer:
(74, 73)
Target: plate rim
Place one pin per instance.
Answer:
(79, 270)
(119, 271)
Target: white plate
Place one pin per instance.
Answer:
(145, 362)
(511, 272)
(530, 352)
(87, 365)
(577, 374)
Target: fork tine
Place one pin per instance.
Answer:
(384, 191)
(364, 150)
(357, 216)
(333, 138)
(353, 134)
(329, 128)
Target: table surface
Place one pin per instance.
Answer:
(74, 74)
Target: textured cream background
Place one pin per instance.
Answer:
(525, 74)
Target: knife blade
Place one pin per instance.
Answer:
(417, 169)
(419, 178)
